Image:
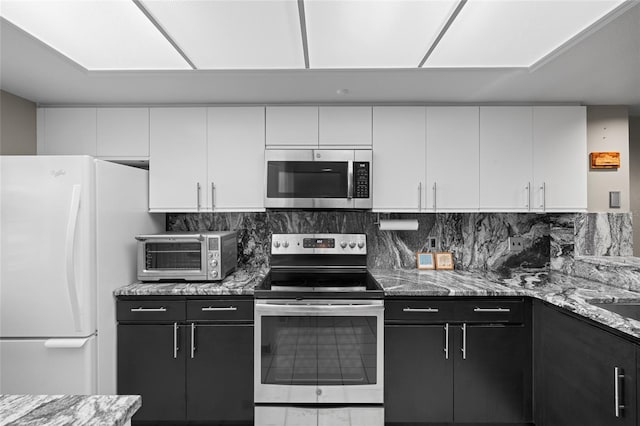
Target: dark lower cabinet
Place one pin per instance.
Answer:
(418, 377)
(576, 363)
(493, 381)
(220, 373)
(188, 372)
(149, 366)
(458, 372)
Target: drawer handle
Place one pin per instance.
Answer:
(432, 310)
(141, 309)
(492, 310)
(617, 376)
(213, 308)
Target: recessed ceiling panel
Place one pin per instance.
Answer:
(233, 34)
(514, 33)
(97, 34)
(373, 33)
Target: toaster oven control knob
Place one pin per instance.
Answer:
(352, 244)
(276, 244)
(360, 244)
(214, 263)
(214, 273)
(343, 244)
(285, 244)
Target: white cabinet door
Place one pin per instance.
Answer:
(345, 126)
(505, 158)
(398, 158)
(236, 158)
(560, 163)
(123, 133)
(452, 158)
(67, 131)
(178, 160)
(292, 126)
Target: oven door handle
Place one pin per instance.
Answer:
(348, 310)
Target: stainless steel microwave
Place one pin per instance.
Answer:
(318, 178)
(187, 256)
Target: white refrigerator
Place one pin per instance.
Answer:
(67, 228)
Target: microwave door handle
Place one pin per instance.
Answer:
(350, 180)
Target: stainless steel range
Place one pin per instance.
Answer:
(319, 334)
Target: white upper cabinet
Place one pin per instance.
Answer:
(350, 126)
(506, 162)
(560, 163)
(123, 133)
(292, 126)
(398, 159)
(66, 131)
(452, 159)
(236, 137)
(178, 160)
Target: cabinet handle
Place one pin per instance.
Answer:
(193, 340)
(464, 341)
(175, 340)
(408, 309)
(617, 377)
(435, 194)
(214, 308)
(198, 192)
(543, 190)
(527, 200)
(419, 196)
(491, 310)
(213, 196)
(446, 341)
(141, 309)
(350, 180)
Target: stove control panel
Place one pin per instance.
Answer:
(319, 243)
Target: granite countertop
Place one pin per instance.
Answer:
(571, 293)
(568, 292)
(240, 282)
(77, 410)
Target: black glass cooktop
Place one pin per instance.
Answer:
(330, 284)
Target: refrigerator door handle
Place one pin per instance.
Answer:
(65, 343)
(69, 252)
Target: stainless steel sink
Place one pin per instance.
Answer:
(626, 309)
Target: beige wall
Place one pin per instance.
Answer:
(608, 130)
(17, 125)
(634, 181)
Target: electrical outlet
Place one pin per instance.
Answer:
(432, 243)
(516, 244)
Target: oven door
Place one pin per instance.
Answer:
(175, 257)
(319, 351)
(312, 178)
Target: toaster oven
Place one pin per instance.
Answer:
(187, 256)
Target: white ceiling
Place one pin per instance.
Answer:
(600, 68)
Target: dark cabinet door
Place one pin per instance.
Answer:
(220, 373)
(492, 377)
(418, 376)
(151, 363)
(576, 384)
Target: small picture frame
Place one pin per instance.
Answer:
(425, 260)
(444, 260)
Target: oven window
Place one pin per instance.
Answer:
(307, 179)
(173, 256)
(308, 350)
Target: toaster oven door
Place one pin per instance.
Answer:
(180, 258)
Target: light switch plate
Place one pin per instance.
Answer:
(614, 199)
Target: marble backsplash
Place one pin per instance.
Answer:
(478, 241)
